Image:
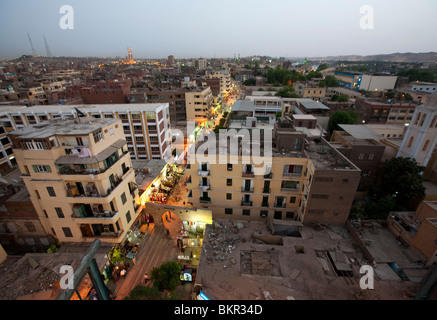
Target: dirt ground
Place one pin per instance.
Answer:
(281, 273)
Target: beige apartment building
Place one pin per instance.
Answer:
(198, 104)
(310, 90)
(305, 181)
(145, 125)
(80, 178)
(225, 81)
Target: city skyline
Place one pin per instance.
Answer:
(194, 29)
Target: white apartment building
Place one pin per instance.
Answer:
(145, 125)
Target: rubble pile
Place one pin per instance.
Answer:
(221, 241)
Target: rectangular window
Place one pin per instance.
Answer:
(292, 199)
(79, 141)
(67, 232)
(123, 198)
(30, 227)
(128, 217)
(361, 156)
(228, 211)
(98, 136)
(229, 182)
(229, 166)
(59, 212)
(246, 212)
(371, 156)
(320, 196)
(41, 168)
(263, 213)
(51, 191)
(228, 196)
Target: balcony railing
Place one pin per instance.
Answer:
(289, 189)
(102, 214)
(280, 205)
(205, 200)
(268, 175)
(246, 203)
(246, 189)
(203, 172)
(248, 174)
(204, 187)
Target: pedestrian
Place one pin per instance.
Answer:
(133, 260)
(146, 278)
(122, 273)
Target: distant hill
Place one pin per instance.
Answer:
(422, 57)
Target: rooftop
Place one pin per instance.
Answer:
(63, 127)
(70, 109)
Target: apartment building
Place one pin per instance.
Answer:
(380, 112)
(7, 158)
(80, 178)
(306, 181)
(362, 147)
(310, 90)
(174, 97)
(225, 81)
(145, 125)
(198, 102)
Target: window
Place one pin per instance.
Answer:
(228, 196)
(51, 191)
(229, 182)
(263, 213)
(150, 115)
(366, 173)
(136, 116)
(59, 212)
(292, 199)
(123, 198)
(320, 196)
(289, 215)
(410, 142)
(425, 146)
(139, 138)
(361, 156)
(229, 166)
(128, 217)
(67, 232)
(41, 168)
(98, 136)
(246, 212)
(30, 227)
(371, 156)
(79, 141)
(228, 210)
(290, 185)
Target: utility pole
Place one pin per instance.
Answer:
(49, 54)
(31, 45)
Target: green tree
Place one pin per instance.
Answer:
(322, 67)
(144, 293)
(314, 74)
(402, 181)
(166, 277)
(249, 82)
(339, 117)
(340, 97)
(331, 81)
(287, 92)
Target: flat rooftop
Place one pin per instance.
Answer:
(70, 109)
(63, 127)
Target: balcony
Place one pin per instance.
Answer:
(268, 175)
(289, 189)
(246, 189)
(248, 174)
(96, 214)
(280, 205)
(205, 200)
(203, 172)
(246, 203)
(292, 174)
(204, 187)
(265, 204)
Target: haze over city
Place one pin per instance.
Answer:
(195, 28)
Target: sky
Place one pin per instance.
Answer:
(210, 28)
